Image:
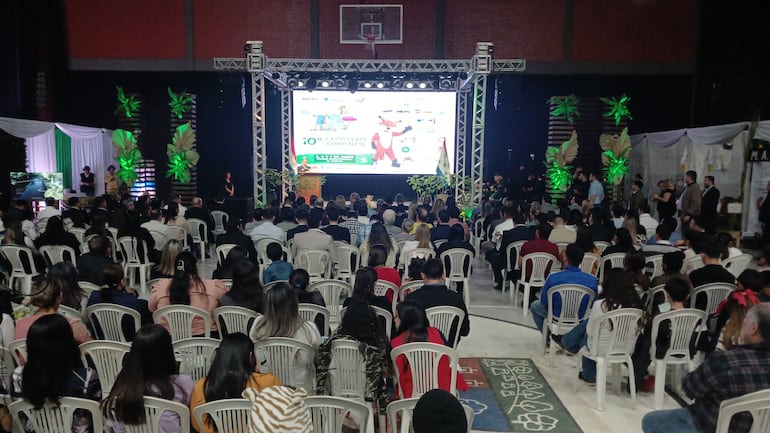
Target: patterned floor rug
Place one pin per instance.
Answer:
(510, 395)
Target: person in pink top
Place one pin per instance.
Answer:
(47, 296)
(187, 288)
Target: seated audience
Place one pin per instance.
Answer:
(363, 290)
(132, 228)
(456, 240)
(150, 369)
(379, 236)
(47, 296)
(187, 288)
(726, 331)
(66, 275)
(225, 269)
(55, 234)
(712, 383)
(233, 235)
(267, 230)
(621, 243)
(166, 267)
(662, 243)
(439, 411)
(634, 264)
(539, 245)
(337, 232)
(672, 268)
(175, 217)
(570, 275)
(74, 213)
(115, 291)
(233, 369)
(315, 239)
(413, 327)
(278, 269)
(378, 256)
(441, 230)
(155, 224)
(713, 271)
(246, 291)
(561, 233)
(92, 264)
(434, 293)
(51, 210)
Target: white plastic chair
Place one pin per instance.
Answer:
(107, 320)
(132, 261)
(572, 296)
(407, 255)
(69, 312)
(620, 337)
(654, 266)
(54, 254)
(317, 263)
(232, 319)
(349, 380)
(269, 286)
(405, 407)
(18, 349)
(195, 356)
(80, 233)
(476, 235)
(220, 221)
(737, 264)
(649, 298)
(153, 409)
(88, 286)
(615, 260)
(348, 262)
(200, 235)
(714, 292)
(407, 288)
(56, 418)
(684, 324)
(283, 356)
(84, 248)
(308, 312)
(160, 239)
(458, 261)
(180, 320)
(757, 403)
(539, 263)
(329, 413)
(229, 415)
(107, 358)
(692, 263)
(511, 263)
(444, 318)
(222, 252)
(14, 253)
(423, 362)
(177, 233)
(601, 246)
(590, 264)
(334, 292)
(383, 288)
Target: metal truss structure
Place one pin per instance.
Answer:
(472, 73)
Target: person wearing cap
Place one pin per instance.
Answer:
(439, 411)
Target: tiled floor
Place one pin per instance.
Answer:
(498, 329)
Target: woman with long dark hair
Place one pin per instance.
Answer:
(363, 290)
(361, 325)
(233, 369)
(67, 275)
(413, 327)
(281, 319)
(54, 369)
(225, 270)
(379, 236)
(174, 219)
(149, 369)
(246, 291)
(378, 257)
(55, 234)
(188, 288)
(618, 292)
(634, 264)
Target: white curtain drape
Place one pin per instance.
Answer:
(88, 148)
(40, 140)
(709, 135)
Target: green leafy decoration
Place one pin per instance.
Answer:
(618, 108)
(127, 155)
(558, 172)
(180, 102)
(565, 106)
(615, 149)
(616, 168)
(181, 156)
(559, 178)
(128, 104)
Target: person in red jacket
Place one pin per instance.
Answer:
(413, 327)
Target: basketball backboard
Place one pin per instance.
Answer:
(364, 24)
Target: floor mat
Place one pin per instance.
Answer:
(510, 395)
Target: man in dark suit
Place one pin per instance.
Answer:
(74, 213)
(708, 205)
(519, 232)
(234, 235)
(197, 211)
(442, 229)
(91, 265)
(434, 293)
(301, 217)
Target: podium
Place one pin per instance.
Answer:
(309, 184)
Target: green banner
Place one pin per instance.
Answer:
(335, 158)
(64, 156)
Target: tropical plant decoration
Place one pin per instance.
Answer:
(618, 108)
(127, 155)
(180, 103)
(615, 149)
(181, 156)
(558, 171)
(129, 105)
(565, 106)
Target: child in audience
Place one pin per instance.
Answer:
(279, 269)
(732, 311)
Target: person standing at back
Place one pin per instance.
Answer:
(691, 198)
(709, 204)
(595, 191)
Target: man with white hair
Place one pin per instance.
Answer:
(389, 219)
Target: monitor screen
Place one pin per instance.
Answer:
(37, 186)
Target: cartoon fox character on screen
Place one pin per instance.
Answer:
(382, 140)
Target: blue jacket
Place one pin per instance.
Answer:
(278, 270)
(570, 275)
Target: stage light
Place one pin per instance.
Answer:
(340, 83)
(367, 85)
(292, 83)
(300, 83)
(422, 85)
(324, 83)
(409, 85)
(398, 83)
(445, 84)
(380, 85)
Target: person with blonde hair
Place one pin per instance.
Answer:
(421, 240)
(166, 266)
(47, 296)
